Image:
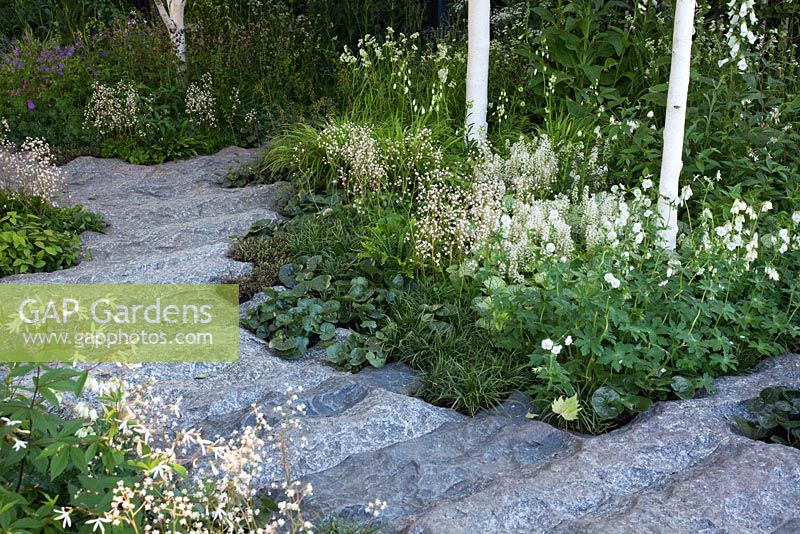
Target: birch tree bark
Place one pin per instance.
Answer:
(477, 68)
(672, 157)
(171, 12)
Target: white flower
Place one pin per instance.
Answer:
(63, 516)
(568, 341)
(742, 64)
(547, 344)
(611, 280)
(98, 523)
(721, 231)
(556, 350)
(550, 248)
(796, 217)
(766, 206)
(10, 422)
(18, 444)
(686, 193)
(772, 273)
(650, 114)
(647, 183)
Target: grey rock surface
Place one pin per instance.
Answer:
(680, 467)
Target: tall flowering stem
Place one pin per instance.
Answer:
(672, 159)
(171, 12)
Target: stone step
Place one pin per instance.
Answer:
(680, 467)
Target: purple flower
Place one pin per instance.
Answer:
(15, 51)
(31, 105)
(103, 53)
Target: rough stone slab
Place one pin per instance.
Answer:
(680, 467)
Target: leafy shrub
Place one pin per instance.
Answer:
(777, 417)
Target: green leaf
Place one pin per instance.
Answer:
(607, 403)
(566, 408)
(320, 283)
(683, 387)
(59, 462)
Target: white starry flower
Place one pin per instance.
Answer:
(611, 280)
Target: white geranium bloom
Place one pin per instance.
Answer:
(556, 350)
(612, 280)
(568, 341)
(547, 344)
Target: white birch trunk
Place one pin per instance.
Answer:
(672, 158)
(477, 68)
(172, 15)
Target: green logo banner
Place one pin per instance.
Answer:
(119, 322)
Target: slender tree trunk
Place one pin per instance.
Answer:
(172, 15)
(672, 159)
(477, 68)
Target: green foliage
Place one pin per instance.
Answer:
(313, 306)
(74, 219)
(267, 256)
(36, 236)
(45, 465)
(28, 245)
(777, 417)
(45, 18)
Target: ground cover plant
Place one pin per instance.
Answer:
(777, 417)
(532, 262)
(36, 232)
